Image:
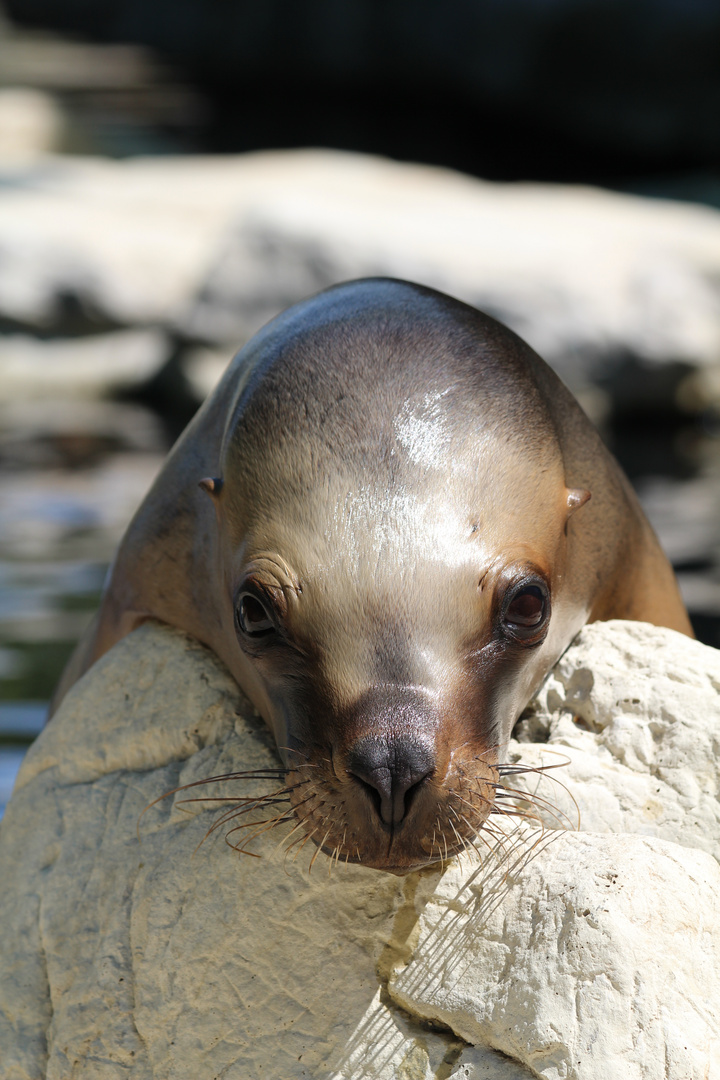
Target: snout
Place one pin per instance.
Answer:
(391, 769)
(392, 782)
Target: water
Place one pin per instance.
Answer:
(20, 722)
(65, 501)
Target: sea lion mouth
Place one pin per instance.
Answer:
(351, 821)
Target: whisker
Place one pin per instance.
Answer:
(284, 840)
(249, 774)
(541, 771)
(558, 815)
(308, 836)
(514, 767)
(239, 799)
(264, 826)
(318, 849)
(237, 811)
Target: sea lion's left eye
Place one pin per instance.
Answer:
(526, 611)
(253, 616)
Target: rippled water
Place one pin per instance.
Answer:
(63, 508)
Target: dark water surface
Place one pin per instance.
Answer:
(63, 510)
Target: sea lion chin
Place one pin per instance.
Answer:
(389, 520)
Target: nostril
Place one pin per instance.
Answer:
(413, 790)
(372, 792)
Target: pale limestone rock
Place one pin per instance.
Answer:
(571, 956)
(599, 957)
(479, 1063)
(581, 274)
(130, 240)
(635, 710)
(587, 276)
(144, 960)
(80, 368)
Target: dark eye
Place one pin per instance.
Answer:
(526, 611)
(254, 616)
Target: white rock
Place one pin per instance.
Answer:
(86, 367)
(578, 272)
(479, 1063)
(130, 240)
(636, 711)
(203, 368)
(596, 957)
(569, 957)
(581, 273)
(144, 960)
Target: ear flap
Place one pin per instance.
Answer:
(211, 484)
(576, 497)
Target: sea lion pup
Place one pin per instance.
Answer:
(381, 521)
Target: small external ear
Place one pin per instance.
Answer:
(213, 485)
(576, 497)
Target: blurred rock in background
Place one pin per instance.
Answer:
(132, 265)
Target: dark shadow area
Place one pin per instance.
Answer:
(601, 91)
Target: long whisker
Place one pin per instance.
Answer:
(250, 774)
(237, 811)
(558, 815)
(543, 770)
(264, 826)
(318, 849)
(308, 836)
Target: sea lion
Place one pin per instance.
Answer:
(382, 522)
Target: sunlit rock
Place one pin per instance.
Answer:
(90, 367)
(159, 962)
(634, 710)
(607, 287)
(598, 957)
(139, 941)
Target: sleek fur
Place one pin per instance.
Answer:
(393, 484)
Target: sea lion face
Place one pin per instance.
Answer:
(386, 556)
(390, 617)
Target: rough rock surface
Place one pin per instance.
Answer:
(635, 711)
(135, 959)
(563, 955)
(598, 957)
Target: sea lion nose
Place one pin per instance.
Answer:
(393, 769)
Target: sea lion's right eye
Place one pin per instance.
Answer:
(526, 608)
(254, 616)
(526, 612)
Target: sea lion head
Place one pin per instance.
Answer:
(392, 514)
